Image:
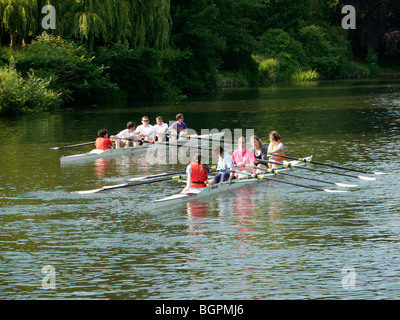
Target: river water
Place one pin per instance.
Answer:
(265, 241)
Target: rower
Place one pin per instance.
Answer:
(178, 128)
(197, 174)
(145, 130)
(243, 156)
(225, 163)
(128, 133)
(275, 147)
(160, 129)
(103, 142)
(260, 152)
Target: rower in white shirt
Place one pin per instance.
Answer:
(145, 130)
(224, 167)
(128, 133)
(160, 129)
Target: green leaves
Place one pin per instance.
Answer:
(18, 95)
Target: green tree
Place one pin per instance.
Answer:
(18, 19)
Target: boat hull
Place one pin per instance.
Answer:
(110, 153)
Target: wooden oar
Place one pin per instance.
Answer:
(264, 177)
(291, 165)
(305, 160)
(125, 185)
(276, 171)
(73, 145)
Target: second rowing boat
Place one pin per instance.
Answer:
(193, 195)
(96, 153)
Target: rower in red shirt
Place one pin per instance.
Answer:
(197, 174)
(103, 142)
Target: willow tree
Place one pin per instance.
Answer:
(19, 19)
(138, 23)
(134, 22)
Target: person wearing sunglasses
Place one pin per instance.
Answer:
(145, 131)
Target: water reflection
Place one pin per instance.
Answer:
(101, 167)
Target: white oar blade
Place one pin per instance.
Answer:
(344, 185)
(89, 191)
(380, 173)
(114, 187)
(102, 189)
(136, 179)
(367, 178)
(334, 191)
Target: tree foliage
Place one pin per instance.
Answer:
(158, 49)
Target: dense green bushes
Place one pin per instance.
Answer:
(143, 73)
(168, 49)
(70, 67)
(19, 95)
(306, 55)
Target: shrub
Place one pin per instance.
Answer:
(328, 51)
(284, 51)
(19, 95)
(372, 60)
(144, 73)
(70, 67)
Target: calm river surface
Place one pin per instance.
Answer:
(267, 241)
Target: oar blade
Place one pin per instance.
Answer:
(345, 185)
(334, 191)
(367, 178)
(89, 191)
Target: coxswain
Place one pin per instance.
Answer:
(103, 142)
(197, 174)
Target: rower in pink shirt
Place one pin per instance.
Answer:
(243, 156)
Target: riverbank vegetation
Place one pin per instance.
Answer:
(103, 50)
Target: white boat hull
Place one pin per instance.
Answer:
(110, 153)
(193, 195)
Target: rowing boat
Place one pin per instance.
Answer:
(109, 153)
(195, 193)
